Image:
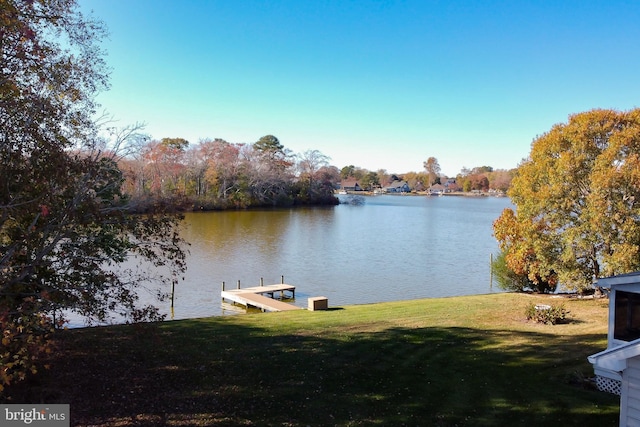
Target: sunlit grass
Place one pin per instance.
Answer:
(453, 361)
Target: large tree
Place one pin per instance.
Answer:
(65, 225)
(164, 164)
(432, 167)
(314, 186)
(268, 172)
(223, 166)
(577, 201)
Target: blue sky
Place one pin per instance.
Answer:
(375, 84)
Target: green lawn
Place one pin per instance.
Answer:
(471, 361)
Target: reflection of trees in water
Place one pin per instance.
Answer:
(249, 244)
(226, 230)
(353, 200)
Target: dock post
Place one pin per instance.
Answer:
(238, 284)
(491, 271)
(223, 286)
(261, 281)
(173, 292)
(282, 280)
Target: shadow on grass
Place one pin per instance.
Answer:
(218, 373)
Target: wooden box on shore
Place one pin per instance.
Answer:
(318, 303)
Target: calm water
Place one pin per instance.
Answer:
(390, 248)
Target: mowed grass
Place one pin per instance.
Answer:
(463, 361)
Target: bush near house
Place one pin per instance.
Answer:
(547, 314)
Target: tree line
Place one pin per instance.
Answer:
(481, 178)
(216, 174)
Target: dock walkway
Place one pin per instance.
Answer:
(254, 297)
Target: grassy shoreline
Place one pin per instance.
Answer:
(471, 360)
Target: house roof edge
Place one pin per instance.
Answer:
(621, 279)
(615, 358)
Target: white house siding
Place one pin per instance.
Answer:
(630, 399)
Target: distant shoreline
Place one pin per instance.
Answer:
(424, 193)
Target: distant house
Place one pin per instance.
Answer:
(451, 185)
(617, 368)
(419, 186)
(350, 185)
(397, 187)
(437, 189)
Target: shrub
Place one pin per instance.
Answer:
(505, 277)
(546, 314)
(509, 280)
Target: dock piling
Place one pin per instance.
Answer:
(173, 292)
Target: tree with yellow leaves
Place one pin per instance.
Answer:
(577, 199)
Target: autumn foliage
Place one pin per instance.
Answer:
(65, 223)
(577, 201)
(216, 174)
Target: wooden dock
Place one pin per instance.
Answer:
(255, 297)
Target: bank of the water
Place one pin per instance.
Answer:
(469, 360)
(389, 248)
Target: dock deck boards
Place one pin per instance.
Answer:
(254, 297)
